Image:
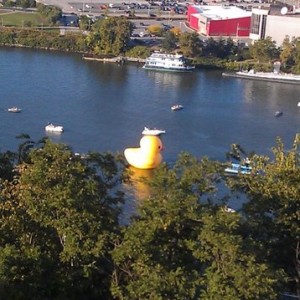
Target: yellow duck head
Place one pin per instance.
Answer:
(148, 156)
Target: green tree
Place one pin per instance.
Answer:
(229, 49)
(296, 56)
(8, 3)
(139, 52)
(264, 50)
(286, 52)
(190, 44)
(85, 23)
(155, 29)
(210, 48)
(52, 13)
(220, 48)
(7, 160)
(26, 3)
(154, 261)
(25, 147)
(272, 210)
(59, 220)
(183, 246)
(232, 271)
(169, 42)
(114, 35)
(7, 36)
(236, 153)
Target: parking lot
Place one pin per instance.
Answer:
(119, 7)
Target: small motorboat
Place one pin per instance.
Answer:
(238, 169)
(228, 209)
(54, 128)
(298, 104)
(176, 107)
(14, 109)
(152, 131)
(278, 114)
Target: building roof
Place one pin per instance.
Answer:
(278, 10)
(221, 12)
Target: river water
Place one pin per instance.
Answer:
(104, 107)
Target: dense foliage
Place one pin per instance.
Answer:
(273, 209)
(61, 235)
(34, 38)
(110, 36)
(52, 13)
(19, 3)
(183, 246)
(59, 220)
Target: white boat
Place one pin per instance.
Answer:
(152, 131)
(278, 114)
(229, 209)
(176, 107)
(14, 109)
(54, 128)
(238, 169)
(167, 62)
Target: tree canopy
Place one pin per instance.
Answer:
(110, 36)
(183, 246)
(61, 236)
(264, 50)
(59, 220)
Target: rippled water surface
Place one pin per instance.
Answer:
(104, 107)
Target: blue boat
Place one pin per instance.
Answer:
(238, 169)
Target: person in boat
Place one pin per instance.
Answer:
(247, 162)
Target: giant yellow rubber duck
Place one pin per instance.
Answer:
(148, 156)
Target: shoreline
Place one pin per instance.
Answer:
(280, 78)
(118, 59)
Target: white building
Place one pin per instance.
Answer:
(277, 22)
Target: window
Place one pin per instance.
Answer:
(255, 22)
(263, 27)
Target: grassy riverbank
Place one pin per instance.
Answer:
(22, 19)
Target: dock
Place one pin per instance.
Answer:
(117, 59)
(264, 76)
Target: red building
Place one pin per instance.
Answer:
(219, 20)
